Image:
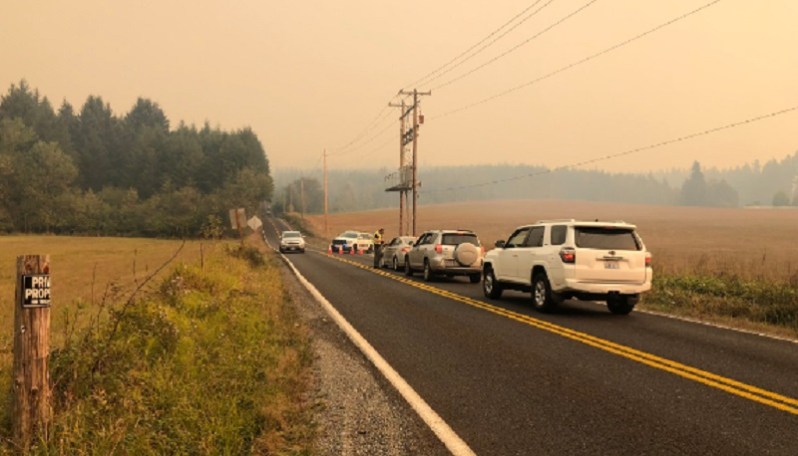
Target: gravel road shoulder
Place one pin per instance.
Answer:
(358, 412)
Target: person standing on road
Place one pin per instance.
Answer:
(378, 242)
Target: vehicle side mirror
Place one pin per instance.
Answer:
(500, 244)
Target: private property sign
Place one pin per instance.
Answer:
(36, 290)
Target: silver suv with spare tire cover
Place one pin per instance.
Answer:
(563, 259)
(446, 253)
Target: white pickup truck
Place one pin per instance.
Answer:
(352, 240)
(563, 259)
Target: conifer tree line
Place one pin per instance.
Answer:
(92, 172)
(772, 183)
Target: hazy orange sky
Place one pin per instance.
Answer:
(309, 75)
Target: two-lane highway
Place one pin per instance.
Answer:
(509, 380)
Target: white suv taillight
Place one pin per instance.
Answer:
(438, 248)
(648, 259)
(568, 255)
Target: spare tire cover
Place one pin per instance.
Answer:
(466, 254)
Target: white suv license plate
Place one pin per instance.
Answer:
(611, 265)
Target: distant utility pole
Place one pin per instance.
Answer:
(326, 224)
(414, 137)
(302, 195)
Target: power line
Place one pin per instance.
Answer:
(516, 47)
(579, 62)
(367, 141)
(382, 146)
(379, 117)
(624, 153)
(374, 122)
(437, 70)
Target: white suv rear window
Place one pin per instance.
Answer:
(606, 238)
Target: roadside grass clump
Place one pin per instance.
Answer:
(209, 361)
(727, 296)
(248, 253)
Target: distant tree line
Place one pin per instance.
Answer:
(349, 190)
(91, 172)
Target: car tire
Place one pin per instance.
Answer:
(490, 286)
(621, 305)
(543, 299)
(395, 264)
(428, 276)
(408, 269)
(474, 278)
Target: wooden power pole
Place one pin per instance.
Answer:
(402, 183)
(32, 411)
(302, 195)
(415, 185)
(326, 223)
(406, 136)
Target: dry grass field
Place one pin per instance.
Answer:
(83, 269)
(747, 243)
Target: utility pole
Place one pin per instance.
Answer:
(402, 185)
(302, 195)
(414, 131)
(326, 224)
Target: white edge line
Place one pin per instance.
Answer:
(445, 433)
(717, 325)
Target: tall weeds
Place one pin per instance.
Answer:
(210, 361)
(730, 296)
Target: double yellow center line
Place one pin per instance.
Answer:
(778, 401)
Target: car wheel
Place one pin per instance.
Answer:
(621, 305)
(408, 269)
(427, 271)
(490, 286)
(543, 299)
(395, 264)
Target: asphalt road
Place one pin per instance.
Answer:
(509, 380)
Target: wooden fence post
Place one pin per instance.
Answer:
(33, 410)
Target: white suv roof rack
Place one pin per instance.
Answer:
(556, 221)
(580, 221)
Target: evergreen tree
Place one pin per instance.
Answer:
(694, 189)
(781, 199)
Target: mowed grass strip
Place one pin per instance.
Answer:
(209, 359)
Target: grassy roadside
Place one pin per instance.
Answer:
(209, 360)
(762, 305)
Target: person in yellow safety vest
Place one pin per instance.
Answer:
(378, 243)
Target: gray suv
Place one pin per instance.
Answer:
(446, 253)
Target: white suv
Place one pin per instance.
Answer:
(564, 259)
